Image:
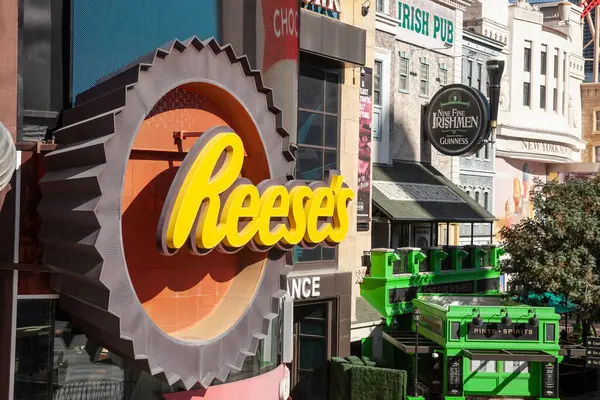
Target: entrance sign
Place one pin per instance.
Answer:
(211, 205)
(493, 331)
(457, 120)
(305, 288)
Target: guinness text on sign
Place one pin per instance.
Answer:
(457, 120)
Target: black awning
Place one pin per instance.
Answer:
(406, 341)
(410, 191)
(509, 355)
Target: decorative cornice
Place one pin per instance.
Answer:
(484, 40)
(460, 5)
(525, 5)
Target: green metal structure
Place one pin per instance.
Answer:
(473, 342)
(396, 277)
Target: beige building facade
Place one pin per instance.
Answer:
(590, 121)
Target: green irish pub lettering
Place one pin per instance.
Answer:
(417, 20)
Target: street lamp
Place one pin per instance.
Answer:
(477, 321)
(495, 69)
(533, 321)
(506, 321)
(416, 316)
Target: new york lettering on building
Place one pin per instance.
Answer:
(544, 147)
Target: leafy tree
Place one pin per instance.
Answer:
(558, 250)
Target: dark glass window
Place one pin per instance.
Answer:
(542, 97)
(56, 360)
(597, 153)
(554, 99)
(379, 5)
(486, 200)
(318, 127)
(556, 64)
(479, 75)
(470, 72)
(46, 63)
(527, 57)
(526, 94)
(543, 60)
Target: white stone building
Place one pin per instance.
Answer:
(540, 104)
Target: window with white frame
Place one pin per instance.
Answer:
(597, 153)
(483, 366)
(516, 366)
(403, 73)
(380, 4)
(443, 78)
(424, 78)
(377, 82)
(470, 72)
(597, 120)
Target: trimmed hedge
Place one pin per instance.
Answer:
(360, 379)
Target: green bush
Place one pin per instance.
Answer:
(372, 383)
(356, 379)
(355, 360)
(368, 362)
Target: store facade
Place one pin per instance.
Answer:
(489, 347)
(68, 268)
(471, 342)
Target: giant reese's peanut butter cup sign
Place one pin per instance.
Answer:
(170, 208)
(457, 120)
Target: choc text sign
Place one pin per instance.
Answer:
(457, 120)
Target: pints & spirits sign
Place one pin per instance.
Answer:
(496, 331)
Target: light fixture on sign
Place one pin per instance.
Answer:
(365, 8)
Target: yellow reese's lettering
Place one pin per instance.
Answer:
(280, 215)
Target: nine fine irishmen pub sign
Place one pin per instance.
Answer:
(457, 120)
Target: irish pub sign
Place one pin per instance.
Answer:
(428, 21)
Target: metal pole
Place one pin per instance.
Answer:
(472, 232)
(417, 314)
(596, 43)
